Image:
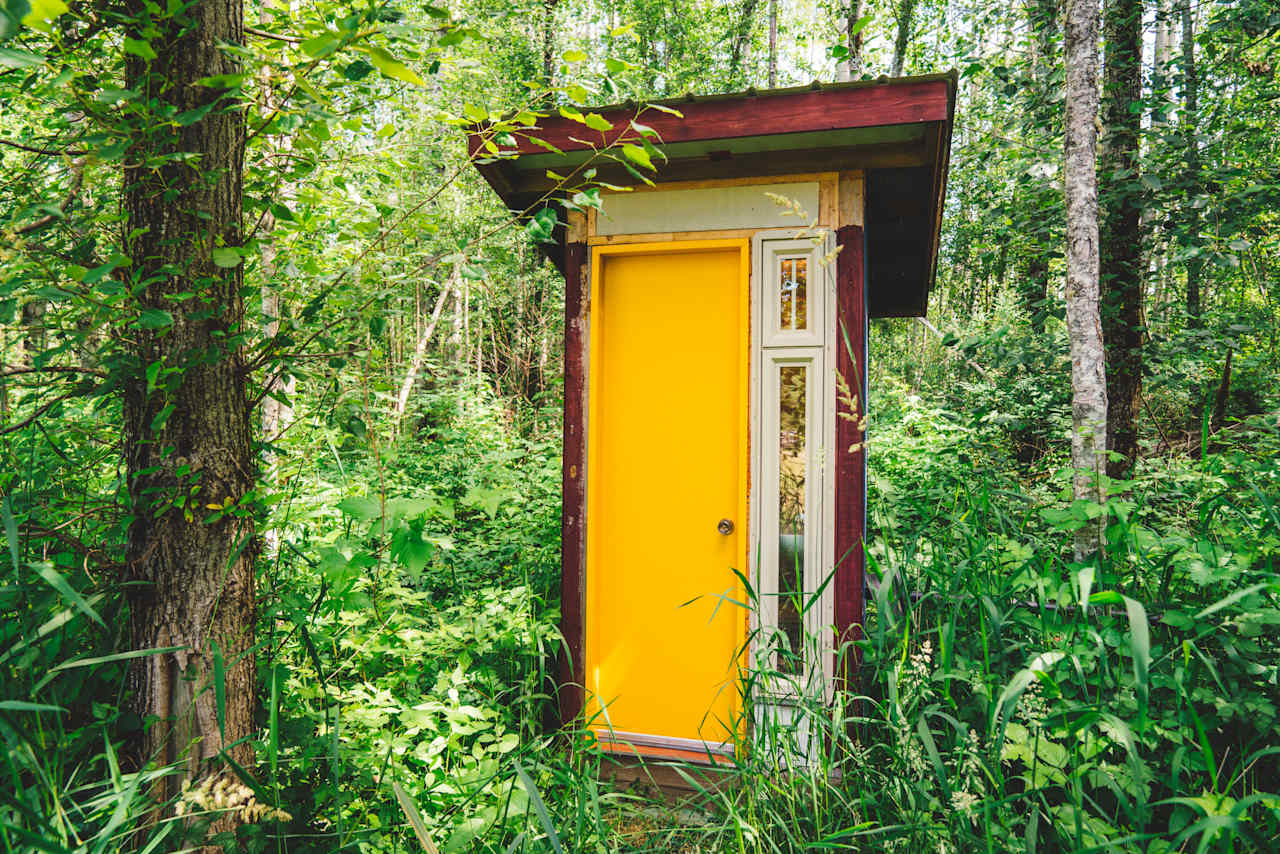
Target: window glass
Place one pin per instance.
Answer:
(792, 464)
(793, 294)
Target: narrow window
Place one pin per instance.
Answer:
(792, 474)
(793, 295)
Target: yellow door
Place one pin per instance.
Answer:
(667, 434)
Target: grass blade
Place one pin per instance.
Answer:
(540, 808)
(410, 810)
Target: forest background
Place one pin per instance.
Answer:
(379, 500)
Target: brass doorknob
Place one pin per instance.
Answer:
(725, 527)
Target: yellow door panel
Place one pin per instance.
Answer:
(667, 461)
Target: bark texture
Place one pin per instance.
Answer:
(773, 44)
(1121, 229)
(1088, 374)
(904, 12)
(852, 65)
(187, 434)
(1190, 107)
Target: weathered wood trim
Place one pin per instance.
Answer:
(528, 186)
(850, 514)
(672, 236)
(852, 203)
(717, 183)
(901, 102)
(570, 675)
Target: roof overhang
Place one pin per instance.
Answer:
(898, 131)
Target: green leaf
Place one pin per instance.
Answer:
(226, 257)
(137, 47)
(595, 121)
(162, 418)
(574, 56)
(190, 117)
(542, 226)
(220, 690)
(357, 70)
(19, 58)
(23, 706)
(155, 318)
(359, 507)
(57, 582)
(321, 45)
(638, 155)
(392, 67)
(662, 108)
(42, 13)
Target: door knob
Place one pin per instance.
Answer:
(725, 527)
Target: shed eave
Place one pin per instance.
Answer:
(894, 129)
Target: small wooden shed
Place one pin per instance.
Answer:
(715, 378)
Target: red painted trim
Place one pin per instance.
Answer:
(851, 471)
(762, 115)
(573, 554)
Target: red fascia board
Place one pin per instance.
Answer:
(758, 115)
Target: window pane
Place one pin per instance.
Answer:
(793, 294)
(792, 461)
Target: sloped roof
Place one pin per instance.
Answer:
(897, 130)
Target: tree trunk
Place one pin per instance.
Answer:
(852, 65)
(1088, 375)
(906, 9)
(549, 44)
(1190, 106)
(420, 350)
(773, 44)
(743, 37)
(189, 460)
(1121, 233)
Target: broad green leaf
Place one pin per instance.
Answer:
(321, 45)
(42, 13)
(392, 67)
(359, 507)
(542, 225)
(155, 318)
(595, 121)
(574, 56)
(137, 47)
(226, 257)
(19, 58)
(638, 155)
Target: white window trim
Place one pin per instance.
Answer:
(771, 347)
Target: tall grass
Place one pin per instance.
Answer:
(1009, 700)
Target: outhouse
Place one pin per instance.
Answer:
(715, 378)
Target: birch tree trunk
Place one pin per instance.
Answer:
(742, 39)
(1084, 325)
(773, 44)
(852, 65)
(420, 351)
(1121, 236)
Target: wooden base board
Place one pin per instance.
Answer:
(628, 772)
